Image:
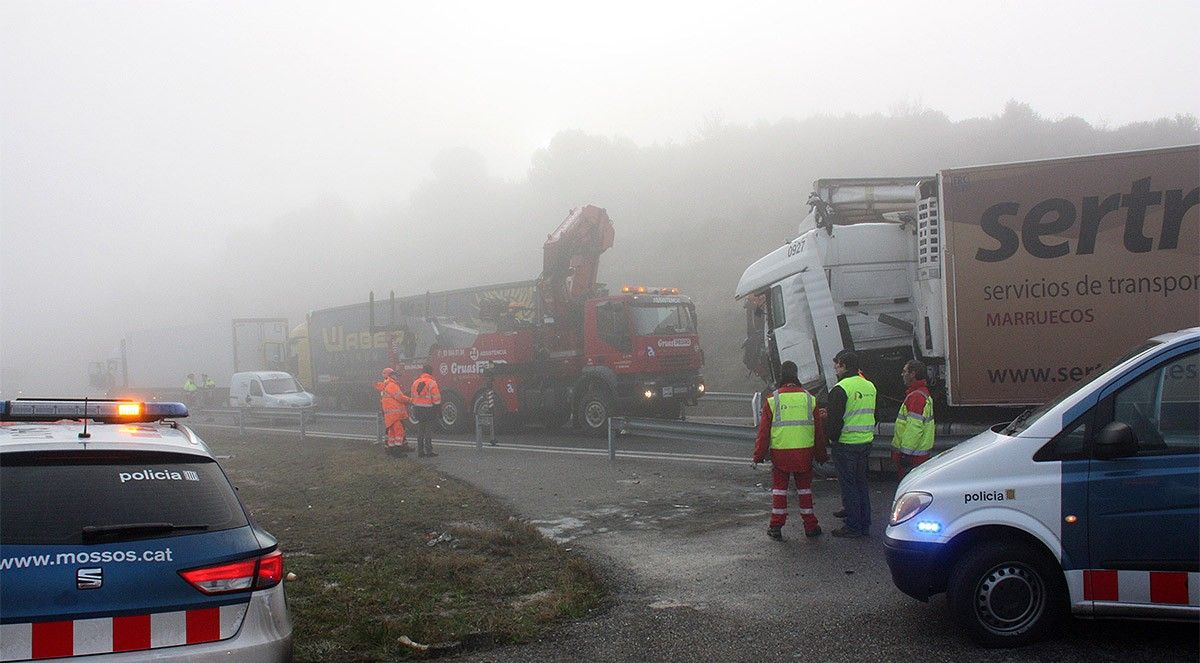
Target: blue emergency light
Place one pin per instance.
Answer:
(103, 410)
(929, 526)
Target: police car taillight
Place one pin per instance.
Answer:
(258, 573)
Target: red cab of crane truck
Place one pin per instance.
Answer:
(642, 355)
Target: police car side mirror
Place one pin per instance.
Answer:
(1116, 440)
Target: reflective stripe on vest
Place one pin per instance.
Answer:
(914, 432)
(792, 420)
(858, 424)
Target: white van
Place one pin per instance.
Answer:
(267, 389)
(1090, 503)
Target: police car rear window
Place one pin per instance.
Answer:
(50, 499)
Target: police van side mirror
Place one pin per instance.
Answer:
(1116, 440)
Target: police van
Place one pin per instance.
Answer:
(121, 537)
(1090, 504)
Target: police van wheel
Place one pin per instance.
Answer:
(1006, 594)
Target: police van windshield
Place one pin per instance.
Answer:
(663, 319)
(277, 386)
(1027, 418)
(52, 500)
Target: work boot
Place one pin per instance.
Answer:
(847, 533)
(775, 533)
(840, 513)
(430, 453)
(813, 533)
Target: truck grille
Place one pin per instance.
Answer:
(675, 363)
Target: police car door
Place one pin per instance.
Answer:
(1143, 519)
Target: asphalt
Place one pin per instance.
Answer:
(694, 577)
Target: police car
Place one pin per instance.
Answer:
(1090, 504)
(121, 537)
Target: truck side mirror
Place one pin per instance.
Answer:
(1116, 440)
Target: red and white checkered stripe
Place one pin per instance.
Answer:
(19, 642)
(1151, 587)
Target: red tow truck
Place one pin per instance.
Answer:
(560, 347)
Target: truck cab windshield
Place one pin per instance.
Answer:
(663, 319)
(278, 386)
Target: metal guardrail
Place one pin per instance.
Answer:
(676, 430)
(303, 416)
(734, 397)
(881, 447)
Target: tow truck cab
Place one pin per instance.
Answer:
(1090, 503)
(644, 345)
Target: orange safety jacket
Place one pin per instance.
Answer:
(391, 398)
(425, 391)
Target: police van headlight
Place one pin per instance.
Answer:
(908, 505)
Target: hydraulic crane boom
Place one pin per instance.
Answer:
(571, 257)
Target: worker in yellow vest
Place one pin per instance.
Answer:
(851, 428)
(913, 440)
(790, 427)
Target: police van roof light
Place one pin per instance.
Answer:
(103, 410)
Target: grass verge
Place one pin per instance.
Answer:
(384, 547)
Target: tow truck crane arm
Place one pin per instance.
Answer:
(571, 257)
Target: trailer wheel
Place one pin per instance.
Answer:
(455, 418)
(594, 409)
(1006, 594)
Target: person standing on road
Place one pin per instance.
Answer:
(189, 390)
(426, 401)
(913, 440)
(394, 404)
(790, 427)
(851, 428)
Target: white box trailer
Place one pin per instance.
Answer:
(1011, 281)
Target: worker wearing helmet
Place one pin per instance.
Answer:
(394, 404)
(791, 426)
(426, 401)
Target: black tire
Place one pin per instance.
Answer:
(1006, 594)
(593, 410)
(455, 416)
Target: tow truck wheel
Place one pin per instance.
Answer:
(1006, 594)
(455, 418)
(594, 409)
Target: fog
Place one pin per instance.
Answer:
(181, 163)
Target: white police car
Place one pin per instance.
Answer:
(121, 537)
(1091, 503)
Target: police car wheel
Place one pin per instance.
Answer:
(1005, 594)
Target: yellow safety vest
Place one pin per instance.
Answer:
(914, 431)
(792, 420)
(858, 424)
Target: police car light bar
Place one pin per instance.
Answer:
(104, 410)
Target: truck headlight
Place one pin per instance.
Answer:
(649, 393)
(700, 387)
(908, 505)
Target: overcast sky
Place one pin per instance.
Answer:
(138, 136)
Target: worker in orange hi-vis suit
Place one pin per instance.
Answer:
(427, 402)
(394, 404)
